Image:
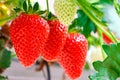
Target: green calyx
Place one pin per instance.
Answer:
(28, 8)
(49, 15)
(35, 9)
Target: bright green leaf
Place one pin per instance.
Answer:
(106, 1)
(109, 69)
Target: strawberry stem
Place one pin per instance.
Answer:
(47, 3)
(99, 24)
(101, 42)
(48, 70)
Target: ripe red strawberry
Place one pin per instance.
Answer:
(72, 59)
(28, 33)
(56, 40)
(107, 39)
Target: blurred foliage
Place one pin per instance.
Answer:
(3, 78)
(5, 56)
(6, 9)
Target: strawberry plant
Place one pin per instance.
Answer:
(64, 35)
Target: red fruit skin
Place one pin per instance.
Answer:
(28, 33)
(73, 56)
(106, 39)
(56, 40)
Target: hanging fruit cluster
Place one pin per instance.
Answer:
(35, 34)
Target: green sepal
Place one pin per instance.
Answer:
(25, 7)
(51, 16)
(17, 10)
(36, 7)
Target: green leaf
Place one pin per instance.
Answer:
(88, 28)
(25, 6)
(5, 56)
(3, 78)
(109, 69)
(106, 1)
(82, 18)
(82, 24)
(35, 7)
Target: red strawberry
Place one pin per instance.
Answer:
(28, 33)
(72, 59)
(56, 40)
(106, 39)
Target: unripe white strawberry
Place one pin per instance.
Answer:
(65, 10)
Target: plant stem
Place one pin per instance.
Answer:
(99, 24)
(48, 70)
(47, 3)
(101, 42)
(116, 40)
